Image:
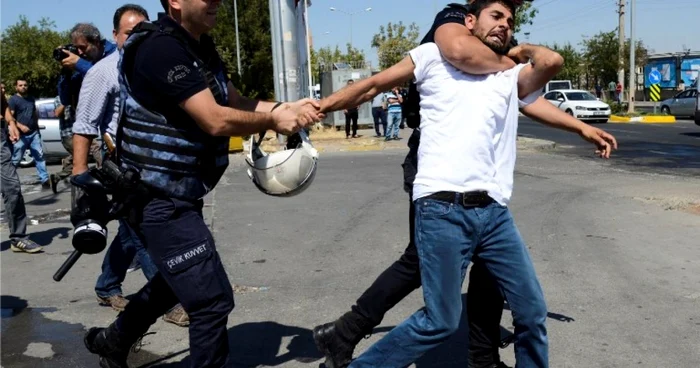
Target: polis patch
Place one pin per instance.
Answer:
(188, 257)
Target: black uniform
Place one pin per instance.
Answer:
(179, 163)
(485, 302)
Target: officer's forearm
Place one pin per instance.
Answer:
(81, 149)
(468, 53)
(234, 122)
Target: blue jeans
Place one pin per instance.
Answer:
(125, 246)
(33, 142)
(392, 131)
(447, 235)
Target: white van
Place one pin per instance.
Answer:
(556, 84)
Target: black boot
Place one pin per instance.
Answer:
(337, 340)
(109, 345)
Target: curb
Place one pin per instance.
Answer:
(655, 119)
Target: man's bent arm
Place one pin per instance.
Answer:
(224, 121)
(81, 149)
(467, 52)
(544, 65)
(365, 90)
(544, 112)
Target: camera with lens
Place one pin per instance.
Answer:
(91, 210)
(59, 55)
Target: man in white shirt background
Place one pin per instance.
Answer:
(464, 183)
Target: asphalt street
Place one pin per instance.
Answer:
(615, 251)
(672, 149)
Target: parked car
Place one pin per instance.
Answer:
(697, 101)
(50, 134)
(682, 104)
(581, 104)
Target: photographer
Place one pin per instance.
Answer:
(87, 48)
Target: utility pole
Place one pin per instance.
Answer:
(238, 45)
(621, 53)
(633, 66)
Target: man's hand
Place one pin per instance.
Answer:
(13, 132)
(604, 141)
(23, 128)
(289, 118)
(519, 54)
(70, 61)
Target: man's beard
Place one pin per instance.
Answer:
(499, 49)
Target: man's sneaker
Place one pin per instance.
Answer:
(117, 302)
(26, 246)
(105, 343)
(134, 266)
(337, 350)
(53, 182)
(177, 316)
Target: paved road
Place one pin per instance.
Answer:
(659, 148)
(618, 269)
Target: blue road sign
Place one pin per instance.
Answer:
(654, 77)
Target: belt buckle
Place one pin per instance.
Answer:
(473, 199)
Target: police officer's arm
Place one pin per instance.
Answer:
(364, 90)
(461, 49)
(238, 101)
(467, 52)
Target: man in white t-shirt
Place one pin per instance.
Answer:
(464, 184)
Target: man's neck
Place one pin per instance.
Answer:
(188, 27)
(23, 95)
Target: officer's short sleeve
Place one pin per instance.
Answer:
(451, 14)
(166, 66)
(424, 56)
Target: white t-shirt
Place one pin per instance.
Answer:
(468, 127)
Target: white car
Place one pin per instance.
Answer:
(580, 104)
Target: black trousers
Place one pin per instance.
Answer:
(190, 272)
(351, 115)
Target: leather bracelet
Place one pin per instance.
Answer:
(276, 106)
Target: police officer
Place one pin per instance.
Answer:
(178, 112)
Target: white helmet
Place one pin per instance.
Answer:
(285, 173)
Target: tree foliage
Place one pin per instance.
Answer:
(27, 53)
(572, 69)
(601, 54)
(256, 74)
(524, 16)
(394, 41)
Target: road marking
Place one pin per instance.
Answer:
(623, 131)
(659, 152)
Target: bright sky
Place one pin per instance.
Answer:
(663, 25)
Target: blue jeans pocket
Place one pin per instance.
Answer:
(431, 208)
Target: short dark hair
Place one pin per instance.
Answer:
(23, 79)
(133, 8)
(478, 5)
(87, 30)
(164, 3)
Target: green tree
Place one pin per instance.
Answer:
(27, 52)
(394, 41)
(256, 74)
(326, 56)
(572, 69)
(601, 54)
(524, 16)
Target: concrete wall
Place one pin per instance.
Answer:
(332, 81)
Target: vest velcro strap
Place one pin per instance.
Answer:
(160, 146)
(167, 164)
(154, 129)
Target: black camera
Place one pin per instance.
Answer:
(59, 55)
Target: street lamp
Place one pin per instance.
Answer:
(350, 14)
